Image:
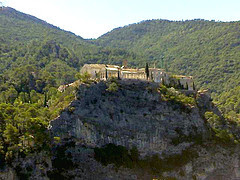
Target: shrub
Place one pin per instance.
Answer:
(213, 119)
(57, 139)
(113, 87)
(217, 125)
(170, 94)
(111, 153)
(121, 156)
(71, 109)
(85, 77)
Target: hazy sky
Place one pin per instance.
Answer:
(92, 18)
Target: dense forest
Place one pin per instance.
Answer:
(207, 50)
(35, 55)
(36, 58)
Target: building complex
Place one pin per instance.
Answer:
(103, 72)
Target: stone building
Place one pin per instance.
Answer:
(158, 75)
(103, 72)
(93, 69)
(133, 74)
(112, 71)
(187, 82)
(183, 82)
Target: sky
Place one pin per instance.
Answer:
(93, 18)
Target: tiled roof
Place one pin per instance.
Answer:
(132, 70)
(96, 65)
(185, 77)
(113, 66)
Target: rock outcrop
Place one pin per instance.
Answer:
(134, 115)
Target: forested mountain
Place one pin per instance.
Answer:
(36, 57)
(31, 45)
(208, 50)
(35, 54)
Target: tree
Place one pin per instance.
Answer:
(134, 154)
(11, 95)
(106, 74)
(186, 86)
(162, 62)
(179, 84)
(45, 99)
(151, 76)
(147, 71)
(34, 96)
(85, 77)
(113, 87)
(194, 86)
(11, 134)
(118, 74)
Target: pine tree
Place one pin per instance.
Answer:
(179, 84)
(186, 86)
(106, 74)
(162, 62)
(147, 71)
(118, 73)
(45, 99)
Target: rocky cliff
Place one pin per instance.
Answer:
(133, 115)
(133, 130)
(137, 114)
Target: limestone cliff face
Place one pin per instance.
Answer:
(137, 115)
(134, 115)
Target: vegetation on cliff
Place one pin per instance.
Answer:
(24, 122)
(35, 58)
(120, 156)
(229, 103)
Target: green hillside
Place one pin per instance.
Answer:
(35, 55)
(208, 50)
(37, 52)
(35, 59)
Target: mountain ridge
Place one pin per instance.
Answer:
(194, 47)
(28, 41)
(166, 20)
(207, 50)
(13, 13)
